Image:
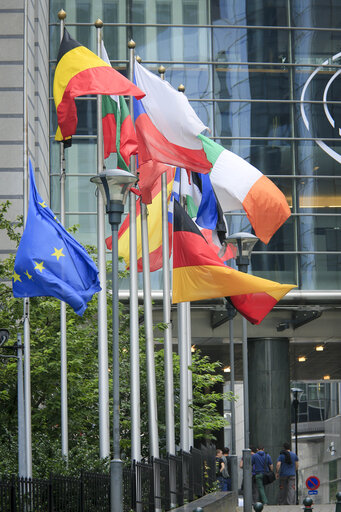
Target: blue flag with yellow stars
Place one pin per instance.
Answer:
(50, 262)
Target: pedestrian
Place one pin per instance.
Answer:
(263, 463)
(220, 465)
(227, 468)
(286, 467)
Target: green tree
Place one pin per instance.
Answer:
(82, 377)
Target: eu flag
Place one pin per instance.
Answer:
(50, 262)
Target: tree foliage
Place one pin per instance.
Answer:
(82, 381)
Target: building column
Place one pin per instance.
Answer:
(269, 398)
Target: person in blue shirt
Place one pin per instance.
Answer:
(286, 467)
(262, 463)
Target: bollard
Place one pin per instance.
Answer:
(307, 502)
(258, 507)
(338, 502)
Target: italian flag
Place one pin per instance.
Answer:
(240, 186)
(118, 130)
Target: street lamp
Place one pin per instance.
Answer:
(244, 243)
(114, 185)
(295, 397)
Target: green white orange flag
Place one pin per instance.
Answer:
(199, 274)
(240, 186)
(154, 228)
(118, 130)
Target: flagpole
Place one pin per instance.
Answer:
(63, 346)
(103, 376)
(183, 355)
(26, 302)
(181, 88)
(134, 317)
(148, 319)
(189, 373)
(168, 337)
(184, 342)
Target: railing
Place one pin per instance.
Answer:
(158, 484)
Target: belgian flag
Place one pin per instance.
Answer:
(79, 72)
(199, 274)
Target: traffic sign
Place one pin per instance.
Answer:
(312, 483)
(313, 492)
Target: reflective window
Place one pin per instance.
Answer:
(261, 90)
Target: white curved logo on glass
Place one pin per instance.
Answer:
(328, 115)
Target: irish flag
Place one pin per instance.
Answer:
(118, 130)
(240, 186)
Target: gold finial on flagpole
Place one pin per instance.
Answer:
(138, 58)
(62, 14)
(162, 70)
(181, 88)
(98, 23)
(131, 44)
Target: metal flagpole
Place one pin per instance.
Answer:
(190, 380)
(63, 348)
(183, 354)
(134, 317)
(26, 302)
(182, 344)
(148, 320)
(103, 376)
(168, 345)
(233, 419)
(21, 411)
(150, 361)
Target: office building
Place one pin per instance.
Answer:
(264, 76)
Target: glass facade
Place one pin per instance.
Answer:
(319, 401)
(265, 77)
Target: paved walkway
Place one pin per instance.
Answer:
(295, 508)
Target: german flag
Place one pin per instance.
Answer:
(79, 72)
(199, 274)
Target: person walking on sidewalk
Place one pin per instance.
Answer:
(262, 463)
(286, 467)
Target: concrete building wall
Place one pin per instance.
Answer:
(23, 88)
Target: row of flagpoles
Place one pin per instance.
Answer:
(265, 205)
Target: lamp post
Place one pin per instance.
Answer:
(295, 396)
(114, 185)
(244, 243)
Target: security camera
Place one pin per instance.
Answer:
(4, 335)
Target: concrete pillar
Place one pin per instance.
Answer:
(269, 398)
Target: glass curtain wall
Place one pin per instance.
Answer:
(265, 77)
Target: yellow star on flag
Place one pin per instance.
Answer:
(43, 204)
(39, 266)
(58, 253)
(28, 275)
(16, 276)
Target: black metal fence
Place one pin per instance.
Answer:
(157, 484)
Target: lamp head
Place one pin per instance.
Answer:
(244, 243)
(296, 393)
(114, 185)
